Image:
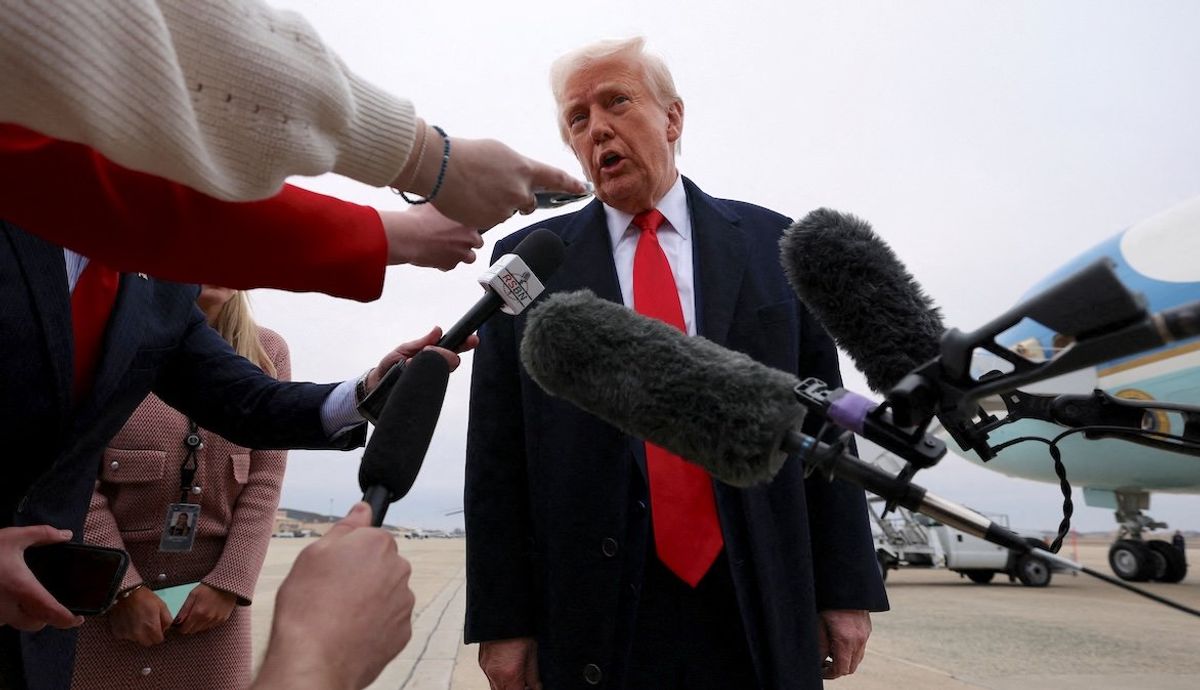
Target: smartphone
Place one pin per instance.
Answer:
(83, 577)
(551, 199)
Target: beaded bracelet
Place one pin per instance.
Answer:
(437, 186)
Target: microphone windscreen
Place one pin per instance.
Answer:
(857, 288)
(711, 406)
(542, 251)
(396, 450)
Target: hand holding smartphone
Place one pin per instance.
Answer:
(82, 577)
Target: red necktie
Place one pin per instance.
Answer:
(686, 532)
(91, 303)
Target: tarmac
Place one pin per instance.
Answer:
(943, 631)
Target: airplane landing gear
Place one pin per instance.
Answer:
(1136, 560)
(1174, 561)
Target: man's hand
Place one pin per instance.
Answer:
(510, 664)
(423, 237)
(24, 602)
(842, 637)
(141, 617)
(406, 351)
(344, 611)
(205, 608)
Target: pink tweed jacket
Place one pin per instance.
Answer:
(239, 492)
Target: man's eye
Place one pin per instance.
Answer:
(617, 100)
(576, 119)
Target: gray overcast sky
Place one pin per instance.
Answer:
(988, 143)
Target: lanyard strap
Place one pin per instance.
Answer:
(187, 471)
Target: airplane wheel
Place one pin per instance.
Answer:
(1156, 563)
(1128, 559)
(1033, 571)
(1175, 565)
(979, 577)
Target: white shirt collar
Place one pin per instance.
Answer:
(673, 206)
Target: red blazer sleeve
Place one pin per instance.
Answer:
(297, 240)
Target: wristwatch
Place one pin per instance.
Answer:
(370, 406)
(360, 387)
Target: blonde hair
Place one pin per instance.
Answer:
(654, 70)
(236, 325)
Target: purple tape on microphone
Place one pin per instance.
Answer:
(849, 411)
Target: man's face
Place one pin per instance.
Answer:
(623, 137)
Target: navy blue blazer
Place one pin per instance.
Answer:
(157, 341)
(550, 489)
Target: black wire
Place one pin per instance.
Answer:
(1139, 590)
(1068, 508)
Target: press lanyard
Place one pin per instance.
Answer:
(187, 471)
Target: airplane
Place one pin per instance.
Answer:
(1159, 258)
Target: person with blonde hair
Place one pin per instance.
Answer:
(237, 490)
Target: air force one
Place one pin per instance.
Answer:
(1159, 258)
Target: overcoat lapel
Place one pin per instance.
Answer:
(721, 256)
(45, 271)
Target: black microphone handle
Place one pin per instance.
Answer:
(836, 463)
(379, 498)
(451, 340)
(487, 305)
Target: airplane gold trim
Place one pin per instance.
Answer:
(1150, 359)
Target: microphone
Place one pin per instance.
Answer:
(714, 407)
(873, 308)
(394, 454)
(722, 410)
(510, 285)
(862, 294)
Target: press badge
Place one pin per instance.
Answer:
(179, 530)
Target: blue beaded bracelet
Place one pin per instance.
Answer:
(437, 186)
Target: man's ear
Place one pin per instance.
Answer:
(675, 121)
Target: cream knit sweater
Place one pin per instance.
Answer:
(228, 97)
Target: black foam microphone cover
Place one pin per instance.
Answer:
(862, 294)
(396, 450)
(712, 406)
(542, 251)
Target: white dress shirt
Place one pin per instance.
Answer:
(675, 237)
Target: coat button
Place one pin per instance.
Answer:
(609, 547)
(591, 674)
(640, 507)
(145, 670)
(195, 489)
(162, 577)
(114, 464)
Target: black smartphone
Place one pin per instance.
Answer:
(553, 199)
(82, 577)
